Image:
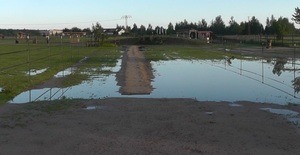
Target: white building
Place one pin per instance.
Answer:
(55, 32)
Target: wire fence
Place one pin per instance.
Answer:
(283, 41)
(27, 62)
(290, 88)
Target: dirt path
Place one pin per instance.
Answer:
(136, 74)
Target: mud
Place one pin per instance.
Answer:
(136, 74)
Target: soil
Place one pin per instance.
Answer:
(145, 126)
(135, 75)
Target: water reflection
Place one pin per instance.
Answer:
(34, 72)
(296, 84)
(279, 66)
(204, 80)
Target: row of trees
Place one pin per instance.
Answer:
(280, 26)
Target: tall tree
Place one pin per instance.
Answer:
(149, 30)
(170, 29)
(218, 26)
(202, 25)
(296, 15)
(233, 28)
(142, 30)
(283, 27)
(134, 29)
(255, 26)
(98, 33)
(76, 29)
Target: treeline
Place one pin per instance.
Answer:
(14, 32)
(281, 26)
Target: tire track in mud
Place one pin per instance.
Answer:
(135, 75)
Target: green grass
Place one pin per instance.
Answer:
(170, 52)
(54, 57)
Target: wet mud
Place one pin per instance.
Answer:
(135, 75)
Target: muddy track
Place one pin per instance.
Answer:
(136, 74)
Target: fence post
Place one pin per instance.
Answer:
(29, 69)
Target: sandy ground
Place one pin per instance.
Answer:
(135, 75)
(146, 126)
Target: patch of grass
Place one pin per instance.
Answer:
(74, 79)
(167, 52)
(54, 57)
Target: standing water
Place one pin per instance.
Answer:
(272, 81)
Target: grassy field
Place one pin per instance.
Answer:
(17, 59)
(169, 52)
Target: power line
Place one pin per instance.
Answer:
(126, 17)
(18, 24)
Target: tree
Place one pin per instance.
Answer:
(283, 27)
(296, 15)
(255, 26)
(270, 29)
(76, 29)
(234, 27)
(202, 25)
(134, 29)
(149, 30)
(142, 30)
(87, 30)
(98, 33)
(218, 26)
(170, 29)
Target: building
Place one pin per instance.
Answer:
(21, 35)
(121, 31)
(44, 32)
(110, 31)
(55, 32)
(195, 34)
(74, 36)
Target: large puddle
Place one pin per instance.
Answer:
(273, 81)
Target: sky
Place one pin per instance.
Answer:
(59, 14)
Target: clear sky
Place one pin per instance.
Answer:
(59, 14)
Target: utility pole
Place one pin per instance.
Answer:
(126, 17)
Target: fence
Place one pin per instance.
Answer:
(25, 63)
(286, 40)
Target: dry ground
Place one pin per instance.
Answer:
(146, 126)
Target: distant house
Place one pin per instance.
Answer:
(74, 36)
(121, 31)
(113, 31)
(21, 35)
(110, 31)
(55, 32)
(195, 34)
(44, 32)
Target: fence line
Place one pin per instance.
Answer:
(29, 55)
(257, 74)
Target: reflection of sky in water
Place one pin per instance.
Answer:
(33, 72)
(205, 80)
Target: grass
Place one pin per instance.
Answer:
(54, 57)
(169, 52)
